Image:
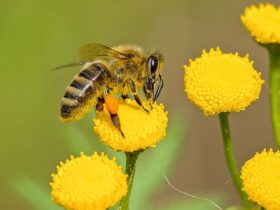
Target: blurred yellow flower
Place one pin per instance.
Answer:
(261, 179)
(141, 129)
(218, 82)
(88, 183)
(263, 22)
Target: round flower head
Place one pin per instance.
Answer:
(263, 22)
(218, 82)
(88, 183)
(140, 129)
(261, 179)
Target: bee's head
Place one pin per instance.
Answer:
(154, 66)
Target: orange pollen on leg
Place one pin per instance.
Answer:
(112, 104)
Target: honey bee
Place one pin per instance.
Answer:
(107, 72)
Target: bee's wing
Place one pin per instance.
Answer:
(92, 50)
(79, 63)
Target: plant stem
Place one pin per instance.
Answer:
(274, 76)
(131, 158)
(228, 148)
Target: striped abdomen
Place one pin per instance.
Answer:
(82, 93)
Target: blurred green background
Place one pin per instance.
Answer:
(36, 36)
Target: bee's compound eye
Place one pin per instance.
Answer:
(152, 64)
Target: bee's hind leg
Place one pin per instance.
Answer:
(112, 106)
(116, 122)
(136, 97)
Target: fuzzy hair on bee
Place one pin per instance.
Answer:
(124, 70)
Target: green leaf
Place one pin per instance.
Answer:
(154, 163)
(37, 196)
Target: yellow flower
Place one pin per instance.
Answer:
(261, 179)
(218, 82)
(263, 22)
(88, 183)
(141, 129)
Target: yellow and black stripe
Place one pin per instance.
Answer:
(82, 93)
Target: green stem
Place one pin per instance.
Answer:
(224, 123)
(274, 76)
(131, 158)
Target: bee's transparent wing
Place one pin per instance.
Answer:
(92, 50)
(79, 63)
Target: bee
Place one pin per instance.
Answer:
(107, 72)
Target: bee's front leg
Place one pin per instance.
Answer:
(135, 95)
(149, 96)
(148, 90)
(159, 88)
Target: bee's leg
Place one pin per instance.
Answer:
(148, 95)
(159, 88)
(149, 88)
(112, 107)
(136, 97)
(116, 121)
(125, 96)
(100, 104)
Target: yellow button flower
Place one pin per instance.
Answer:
(263, 22)
(261, 179)
(218, 82)
(141, 129)
(88, 183)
